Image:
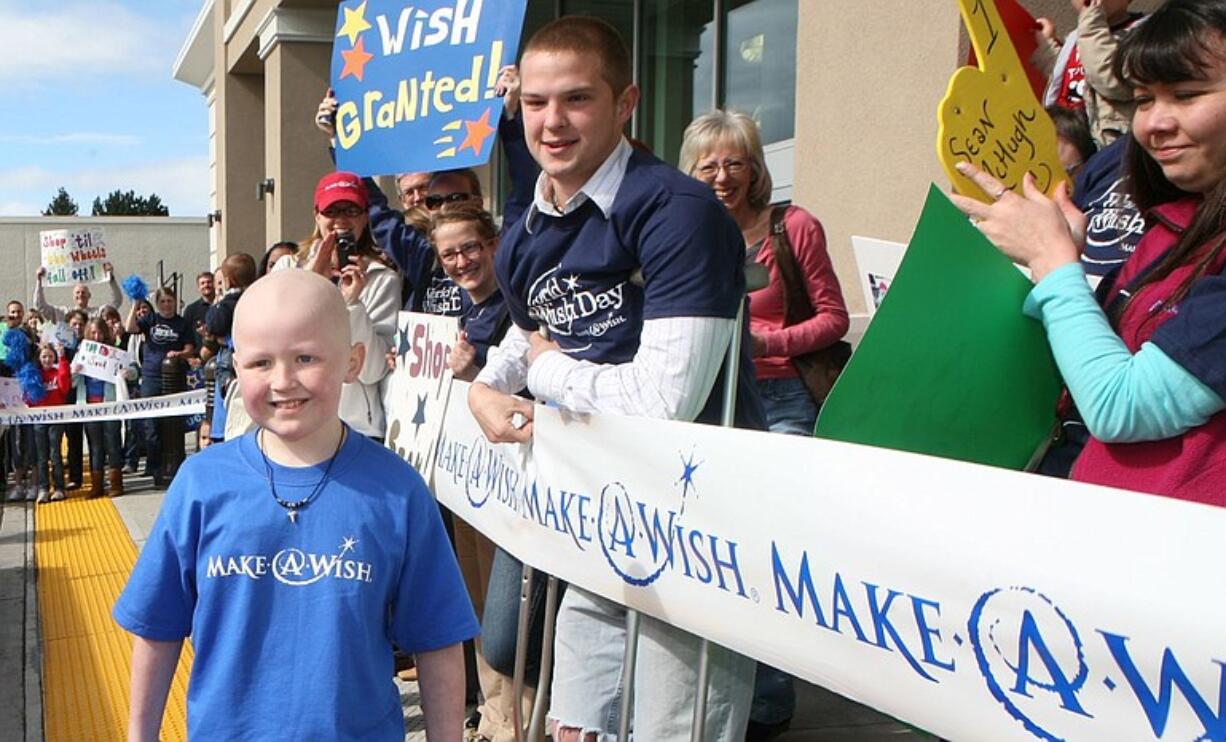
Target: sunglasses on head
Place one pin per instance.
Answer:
(433, 202)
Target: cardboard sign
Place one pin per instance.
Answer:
(101, 361)
(417, 389)
(1021, 27)
(56, 333)
(990, 116)
(949, 366)
(415, 82)
(876, 263)
(73, 256)
(10, 393)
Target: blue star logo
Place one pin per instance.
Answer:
(686, 480)
(402, 343)
(419, 417)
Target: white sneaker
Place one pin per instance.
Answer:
(43, 495)
(57, 495)
(17, 494)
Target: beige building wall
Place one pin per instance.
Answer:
(866, 121)
(135, 244)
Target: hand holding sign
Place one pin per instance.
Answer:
(990, 116)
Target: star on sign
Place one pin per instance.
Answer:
(572, 282)
(687, 475)
(355, 60)
(419, 417)
(402, 347)
(355, 23)
(348, 545)
(477, 132)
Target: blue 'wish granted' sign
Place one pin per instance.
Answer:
(415, 81)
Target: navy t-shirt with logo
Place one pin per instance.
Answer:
(162, 335)
(485, 324)
(667, 249)
(440, 295)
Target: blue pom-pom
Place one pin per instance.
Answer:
(17, 343)
(134, 287)
(31, 379)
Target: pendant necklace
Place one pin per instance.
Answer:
(293, 506)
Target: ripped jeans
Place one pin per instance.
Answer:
(587, 690)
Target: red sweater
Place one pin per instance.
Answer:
(766, 305)
(58, 383)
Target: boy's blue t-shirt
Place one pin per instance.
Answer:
(293, 623)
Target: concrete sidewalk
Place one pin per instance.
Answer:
(821, 716)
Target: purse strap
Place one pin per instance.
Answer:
(797, 306)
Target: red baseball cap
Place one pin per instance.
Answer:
(340, 186)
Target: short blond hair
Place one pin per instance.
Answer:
(736, 129)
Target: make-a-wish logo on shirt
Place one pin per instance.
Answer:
(442, 297)
(564, 304)
(293, 566)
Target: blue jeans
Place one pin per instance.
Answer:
(789, 410)
(587, 685)
(152, 387)
(48, 439)
(500, 619)
(105, 447)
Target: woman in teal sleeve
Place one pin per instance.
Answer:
(1147, 369)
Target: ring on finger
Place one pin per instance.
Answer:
(1000, 194)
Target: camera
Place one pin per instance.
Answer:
(344, 247)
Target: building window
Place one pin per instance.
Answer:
(760, 64)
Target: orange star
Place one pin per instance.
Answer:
(355, 60)
(477, 132)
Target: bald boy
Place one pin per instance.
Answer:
(295, 555)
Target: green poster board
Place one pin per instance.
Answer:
(949, 365)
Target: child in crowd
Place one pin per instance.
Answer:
(57, 382)
(104, 436)
(1079, 71)
(237, 273)
(295, 555)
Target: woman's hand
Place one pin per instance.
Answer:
(323, 262)
(353, 280)
(325, 115)
(757, 345)
(462, 360)
(1031, 229)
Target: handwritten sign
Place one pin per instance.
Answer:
(1020, 26)
(73, 256)
(10, 394)
(419, 386)
(415, 82)
(990, 116)
(100, 361)
(56, 333)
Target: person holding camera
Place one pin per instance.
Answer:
(341, 249)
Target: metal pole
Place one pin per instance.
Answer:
(521, 652)
(629, 658)
(732, 369)
(536, 728)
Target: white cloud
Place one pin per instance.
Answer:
(182, 184)
(76, 137)
(76, 39)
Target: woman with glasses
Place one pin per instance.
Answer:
(724, 150)
(341, 248)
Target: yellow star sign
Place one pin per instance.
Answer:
(355, 23)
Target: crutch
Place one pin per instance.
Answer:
(521, 650)
(536, 728)
(756, 277)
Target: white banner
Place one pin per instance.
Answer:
(417, 389)
(101, 361)
(976, 603)
(73, 256)
(168, 405)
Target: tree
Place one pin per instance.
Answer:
(127, 203)
(61, 205)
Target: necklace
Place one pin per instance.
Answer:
(292, 507)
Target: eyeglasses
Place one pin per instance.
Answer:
(353, 212)
(470, 251)
(708, 170)
(435, 201)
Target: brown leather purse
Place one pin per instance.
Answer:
(818, 369)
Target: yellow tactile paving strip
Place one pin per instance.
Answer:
(84, 555)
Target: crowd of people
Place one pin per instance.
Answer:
(302, 364)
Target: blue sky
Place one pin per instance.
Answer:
(90, 104)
